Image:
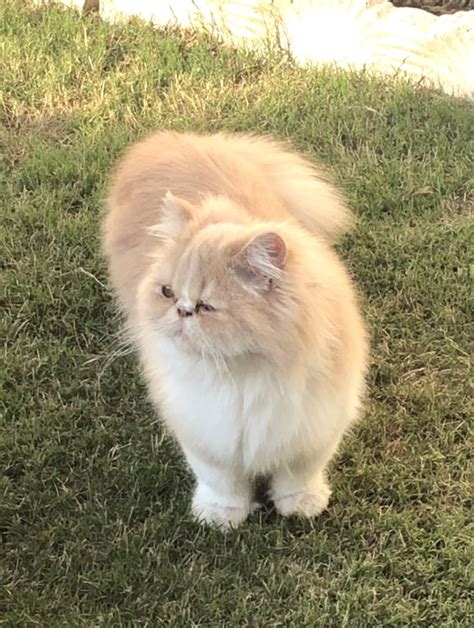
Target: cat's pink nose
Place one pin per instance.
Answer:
(184, 311)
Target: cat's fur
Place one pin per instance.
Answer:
(269, 380)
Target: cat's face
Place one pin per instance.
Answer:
(221, 291)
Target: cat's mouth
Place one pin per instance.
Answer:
(183, 331)
(187, 336)
(183, 328)
(177, 330)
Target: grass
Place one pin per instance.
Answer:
(95, 529)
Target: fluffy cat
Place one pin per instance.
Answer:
(246, 321)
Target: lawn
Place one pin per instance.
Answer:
(94, 508)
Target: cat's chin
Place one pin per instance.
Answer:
(185, 343)
(182, 342)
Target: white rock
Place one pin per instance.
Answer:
(160, 13)
(370, 34)
(385, 39)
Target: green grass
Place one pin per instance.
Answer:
(95, 528)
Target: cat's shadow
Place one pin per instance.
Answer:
(262, 503)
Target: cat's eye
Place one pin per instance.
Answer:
(205, 306)
(167, 292)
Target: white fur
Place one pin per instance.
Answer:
(236, 420)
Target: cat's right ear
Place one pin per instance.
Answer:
(176, 213)
(261, 261)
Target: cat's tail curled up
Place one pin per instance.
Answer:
(304, 187)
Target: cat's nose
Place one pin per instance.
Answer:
(185, 308)
(183, 312)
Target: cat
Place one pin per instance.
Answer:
(246, 321)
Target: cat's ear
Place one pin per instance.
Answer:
(261, 261)
(175, 215)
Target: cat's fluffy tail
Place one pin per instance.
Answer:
(305, 189)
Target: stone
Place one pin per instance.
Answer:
(375, 35)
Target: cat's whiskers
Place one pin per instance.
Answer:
(221, 366)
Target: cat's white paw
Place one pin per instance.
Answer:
(307, 503)
(218, 515)
(219, 510)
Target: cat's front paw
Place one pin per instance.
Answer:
(218, 510)
(305, 503)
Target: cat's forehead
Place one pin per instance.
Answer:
(202, 268)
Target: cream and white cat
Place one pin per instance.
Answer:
(246, 321)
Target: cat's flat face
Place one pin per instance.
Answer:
(223, 292)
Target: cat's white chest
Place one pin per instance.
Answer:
(247, 415)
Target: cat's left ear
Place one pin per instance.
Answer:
(175, 215)
(261, 261)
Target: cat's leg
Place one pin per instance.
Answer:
(222, 495)
(301, 487)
